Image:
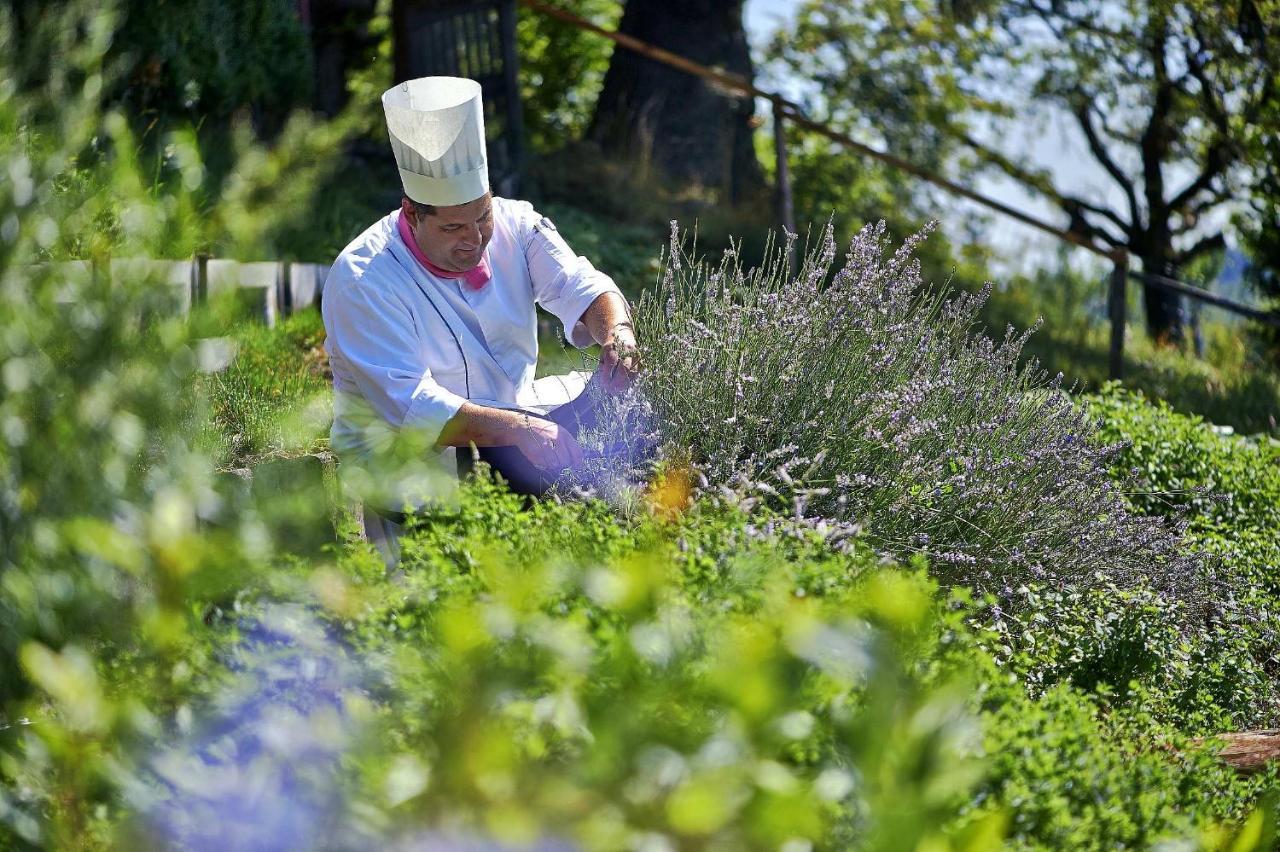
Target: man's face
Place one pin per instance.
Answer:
(455, 237)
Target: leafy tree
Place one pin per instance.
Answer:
(1260, 223)
(561, 71)
(1167, 95)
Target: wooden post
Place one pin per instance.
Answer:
(1116, 309)
(284, 289)
(200, 284)
(786, 214)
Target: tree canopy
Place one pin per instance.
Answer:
(1169, 97)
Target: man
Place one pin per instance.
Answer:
(430, 316)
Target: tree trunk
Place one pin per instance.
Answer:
(678, 123)
(1163, 309)
(340, 43)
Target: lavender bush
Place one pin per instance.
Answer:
(868, 396)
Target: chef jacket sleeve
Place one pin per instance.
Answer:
(377, 337)
(563, 282)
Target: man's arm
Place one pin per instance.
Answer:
(610, 326)
(543, 443)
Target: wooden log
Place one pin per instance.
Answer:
(1249, 751)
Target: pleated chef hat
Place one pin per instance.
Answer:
(437, 134)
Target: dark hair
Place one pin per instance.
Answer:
(422, 209)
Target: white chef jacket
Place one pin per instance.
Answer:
(407, 347)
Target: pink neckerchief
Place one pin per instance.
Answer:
(475, 277)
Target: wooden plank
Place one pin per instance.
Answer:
(257, 283)
(264, 277)
(178, 274)
(306, 280)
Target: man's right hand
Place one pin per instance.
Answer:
(549, 446)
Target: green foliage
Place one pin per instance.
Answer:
(1225, 480)
(623, 251)
(889, 72)
(561, 71)
(1075, 774)
(113, 524)
(192, 61)
(1137, 647)
(944, 84)
(578, 678)
(713, 676)
(832, 184)
(629, 203)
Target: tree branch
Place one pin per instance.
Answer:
(1216, 163)
(1084, 117)
(1039, 182)
(1213, 242)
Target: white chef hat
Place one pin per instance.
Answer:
(437, 134)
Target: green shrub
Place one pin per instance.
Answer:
(114, 528)
(1075, 774)
(551, 675)
(1183, 462)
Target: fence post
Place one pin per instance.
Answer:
(200, 283)
(786, 215)
(1116, 304)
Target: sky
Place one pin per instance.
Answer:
(1054, 145)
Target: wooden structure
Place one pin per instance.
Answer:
(268, 290)
(1250, 751)
(475, 39)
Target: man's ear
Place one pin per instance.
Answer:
(407, 211)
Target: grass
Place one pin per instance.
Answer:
(275, 397)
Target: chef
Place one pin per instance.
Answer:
(431, 327)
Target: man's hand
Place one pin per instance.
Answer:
(548, 446)
(619, 359)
